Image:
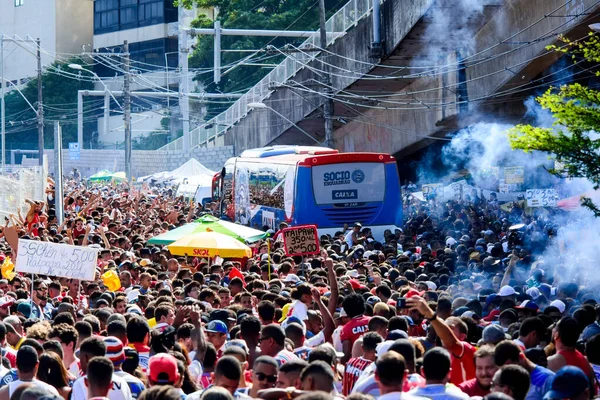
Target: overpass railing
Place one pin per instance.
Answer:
(342, 21)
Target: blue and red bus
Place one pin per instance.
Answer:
(310, 185)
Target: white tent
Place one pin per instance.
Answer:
(192, 172)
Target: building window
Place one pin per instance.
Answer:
(106, 16)
(19, 3)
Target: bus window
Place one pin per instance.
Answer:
(227, 191)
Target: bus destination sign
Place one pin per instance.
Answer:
(301, 240)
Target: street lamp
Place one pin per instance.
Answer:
(263, 105)
(595, 27)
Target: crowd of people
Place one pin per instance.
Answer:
(457, 304)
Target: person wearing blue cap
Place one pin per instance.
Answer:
(216, 333)
(508, 352)
(569, 383)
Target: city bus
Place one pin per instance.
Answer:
(310, 185)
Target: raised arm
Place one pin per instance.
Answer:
(328, 322)
(444, 332)
(201, 344)
(335, 290)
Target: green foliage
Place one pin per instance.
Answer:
(249, 14)
(573, 138)
(60, 104)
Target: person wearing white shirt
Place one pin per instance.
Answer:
(436, 368)
(27, 366)
(389, 378)
(90, 348)
(98, 379)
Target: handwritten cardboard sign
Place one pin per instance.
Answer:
(541, 197)
(301, 240)
(54, 259)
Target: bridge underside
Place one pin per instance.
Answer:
(446, 66)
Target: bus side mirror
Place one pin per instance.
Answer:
(223, 173)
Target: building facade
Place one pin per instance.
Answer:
(63, 26)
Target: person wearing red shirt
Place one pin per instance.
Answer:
(354, 306)
(357, 365)
(452, 333)
(485, 368)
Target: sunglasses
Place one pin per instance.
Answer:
(269, 378)
(263, 339)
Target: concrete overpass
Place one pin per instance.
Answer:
(446, 64)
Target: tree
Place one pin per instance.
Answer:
(249, 14)
(60, 104)
(573, 140)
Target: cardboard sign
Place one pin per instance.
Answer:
(301, 240)
(541, 197)
(55, 259)
(514, 175)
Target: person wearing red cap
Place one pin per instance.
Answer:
(162, 370)
(416, 328)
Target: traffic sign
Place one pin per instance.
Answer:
(74, 153)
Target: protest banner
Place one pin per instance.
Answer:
(514, 175)
(541, 197)
(45, 258)
(432, 190)
(301, 240)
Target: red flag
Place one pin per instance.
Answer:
(235, 273)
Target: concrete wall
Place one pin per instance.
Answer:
(143, 162)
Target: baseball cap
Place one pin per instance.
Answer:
(568, 382)
(114, 349)
(450, 242)
(162, 369)
(506, 291)
(396, 334)
(145, 262)
(25, 309)
(6, 301)
(534, 293)
(372, 300)
(528, 304)
(10, 323)
(217, 327)
(493, 334)
(221, 315)
(560, 305)
(236, 343)
(291, 278)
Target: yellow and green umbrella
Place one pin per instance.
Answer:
(211, 224)
(210, 245)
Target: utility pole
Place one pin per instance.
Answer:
(326, 79)
(2, 105)
(184, 81)
(40, 116)
(127, 112)
(58, 170)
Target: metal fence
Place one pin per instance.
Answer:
(344, 19)
(18, 184)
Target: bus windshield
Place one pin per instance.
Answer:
(348, 182)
